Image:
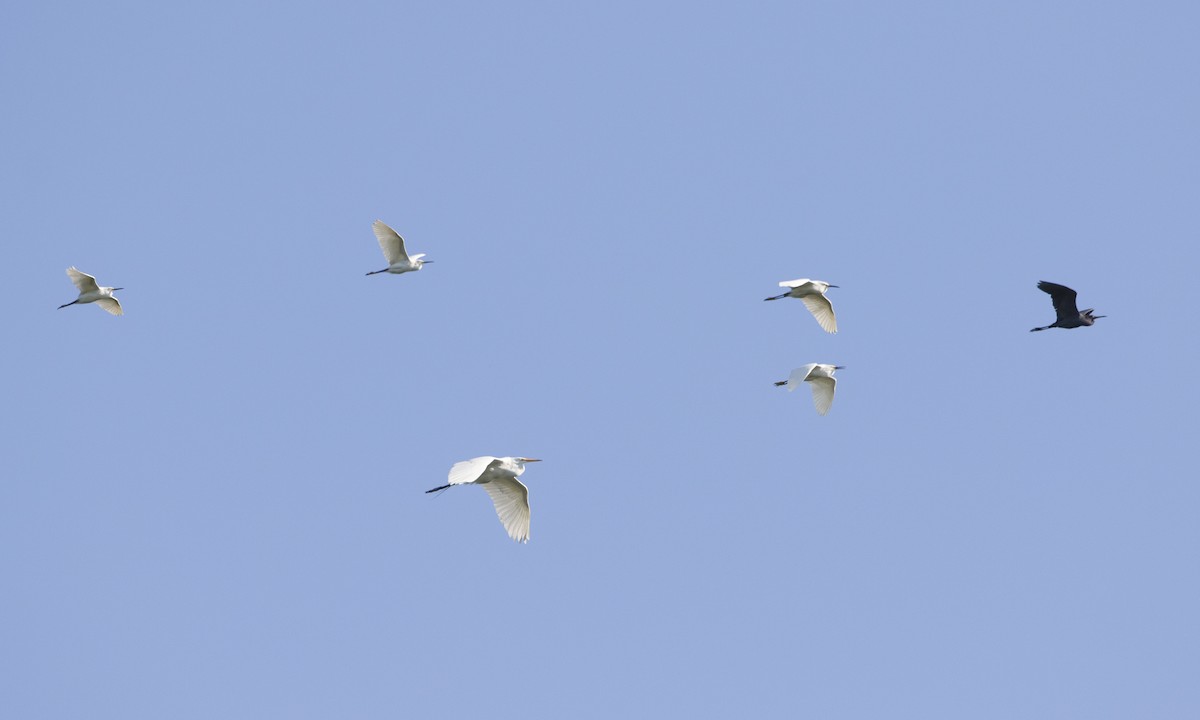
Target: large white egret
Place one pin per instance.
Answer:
(90, 292)
(821, 378)
(399, 261)
(812, 293)
(1065, 308)
(498, 475)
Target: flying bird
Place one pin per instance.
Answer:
(399, 261)
(812, 293)
(499, 477)
(820, 377)
(90, 292)
(1068, 313)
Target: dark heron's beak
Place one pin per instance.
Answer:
(116, 289)
(836, 286)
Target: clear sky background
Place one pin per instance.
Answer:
(213, 506)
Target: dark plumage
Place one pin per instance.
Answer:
(1068, 313)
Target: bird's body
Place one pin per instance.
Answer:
(1065, 308)
(821, 378)
(812, 294)
(498, 475)
(91, 292)
(399, 261)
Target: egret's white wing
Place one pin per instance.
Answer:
(822, 388)
(799, 375)
(822, 310)
(468, 471)
(84, 282)
(111, 305)
(511, 498)
(390, 242)
(793, 283)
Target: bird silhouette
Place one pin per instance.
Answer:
(1068, 313)
(498, 475)
(812, 294)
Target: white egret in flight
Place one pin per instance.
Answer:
(812, 293)
(821, 378)
(90, 292)
(1068, 313)
(399, 261)
(499, 477)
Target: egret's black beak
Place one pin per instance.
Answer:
(116, 289)
(836, 286)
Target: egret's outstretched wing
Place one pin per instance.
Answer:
(84, 282)
(822, 310)
(468, 471)
(390, 242)
(794, 283)
(822, 388)
(111, 305)
(511, 498)
(1063, 298)
(799, 375)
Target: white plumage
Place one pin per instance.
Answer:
(812, 294)
(392, 245)
(91, 292)
(820, 378)
(498, 475)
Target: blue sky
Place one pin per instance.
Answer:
(213, 506)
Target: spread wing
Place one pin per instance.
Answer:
(111, 305)
(511, 498)
(793, 283)
(822, 388)
(798, 376)
(468, 471)
(1063, 298)
(83, 282)
(822, 310)
(390, 242)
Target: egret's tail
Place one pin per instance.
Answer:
(436, 489)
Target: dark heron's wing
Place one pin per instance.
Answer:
(1063, 298)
